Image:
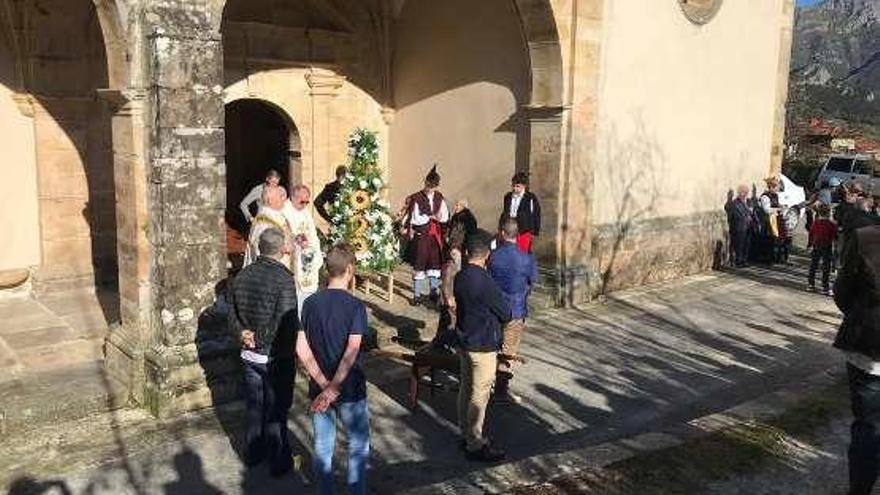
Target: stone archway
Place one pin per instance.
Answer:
(259, 137)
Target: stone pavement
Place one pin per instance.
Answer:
(51, 356)
(638, 362)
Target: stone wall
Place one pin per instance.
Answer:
(649, 251)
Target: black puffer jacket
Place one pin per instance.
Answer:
(857, 293)
(262, 298)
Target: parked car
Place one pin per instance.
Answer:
(859, 168)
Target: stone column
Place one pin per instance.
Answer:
(126, 342)
(324, 86)
(187, 201)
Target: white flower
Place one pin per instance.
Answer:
(362, 184)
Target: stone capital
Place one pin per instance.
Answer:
(388, 114)
(542, 113)
(324, 83)
(25, 103)
(122, 101)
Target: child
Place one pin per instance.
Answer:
(333, 325)
(823, 232)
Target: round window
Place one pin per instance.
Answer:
(700, 11)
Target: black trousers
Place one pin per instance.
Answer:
(269, 394)
(823, 254)
(740, 240)
(864, 449)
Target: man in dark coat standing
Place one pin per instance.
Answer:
(522, 205)
(262, 312)
(857, 294)
(328, 194)
(425, 219)
(740, 220)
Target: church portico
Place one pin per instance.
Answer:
(189, 103)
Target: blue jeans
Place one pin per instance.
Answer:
(269, 395)
(864, 448)
(356, 421)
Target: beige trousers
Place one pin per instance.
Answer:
(477, 378)
(513, 332)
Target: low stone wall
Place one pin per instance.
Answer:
(644, 252)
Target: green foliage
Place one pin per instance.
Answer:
(361, 217)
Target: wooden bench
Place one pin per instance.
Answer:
(426, 362)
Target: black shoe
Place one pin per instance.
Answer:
(486, 454)
(278, 471)
(416, 301)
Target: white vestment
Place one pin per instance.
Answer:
(266, 218)
(307, 262)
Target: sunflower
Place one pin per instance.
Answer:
(361, 224)
(360, 200)
(359, 244)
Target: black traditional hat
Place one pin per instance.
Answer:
(433, 178)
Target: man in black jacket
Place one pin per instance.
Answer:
(480, 313)
(857, 294)
(262, 311)
(522, 205)
(329, 193)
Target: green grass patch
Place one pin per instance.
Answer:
(689, 467)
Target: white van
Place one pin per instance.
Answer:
(858, 168)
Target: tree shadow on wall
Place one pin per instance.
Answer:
(633, 179)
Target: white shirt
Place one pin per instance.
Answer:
(255, 196)
(515, 200)
(418, 218)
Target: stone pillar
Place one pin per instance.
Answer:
(126, 342)
(777, 151)
(324, 86)
(187, 201)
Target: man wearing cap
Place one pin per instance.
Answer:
(425, 218)
(522, 205)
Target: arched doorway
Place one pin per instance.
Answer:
(60, 63)
(259, 137)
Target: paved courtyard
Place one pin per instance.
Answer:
(637, 362)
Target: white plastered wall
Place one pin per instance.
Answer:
(686, 112)
(18, 188)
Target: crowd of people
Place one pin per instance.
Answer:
(762, 229)
(844, 236)
(478, 281)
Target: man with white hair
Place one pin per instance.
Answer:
(273, 179)
(269, 216)
(463, 216)
(307, 256)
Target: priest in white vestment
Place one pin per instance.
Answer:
(307, 256)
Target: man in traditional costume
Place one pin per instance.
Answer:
(427, 215)
(270, 215)
(522, 205)
(307, 257)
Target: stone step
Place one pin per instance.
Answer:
(62, 394)
(61, 355)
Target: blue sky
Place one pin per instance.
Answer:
(807, 3)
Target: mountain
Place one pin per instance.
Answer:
(835, 69)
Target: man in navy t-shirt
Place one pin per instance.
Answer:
(333, 325)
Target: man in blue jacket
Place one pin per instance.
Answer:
(480, 313)
(515, 272)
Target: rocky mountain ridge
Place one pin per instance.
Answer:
(835, 69)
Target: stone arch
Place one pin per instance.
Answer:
(115, 42)
(259, 136)
(545, 52)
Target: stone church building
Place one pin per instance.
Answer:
(130, 130)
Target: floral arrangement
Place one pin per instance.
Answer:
(361, 215)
